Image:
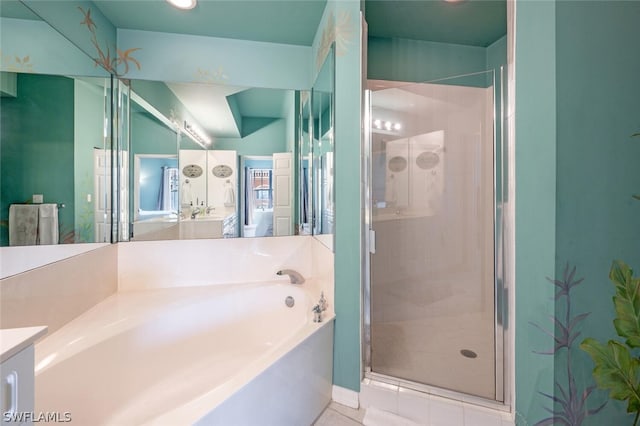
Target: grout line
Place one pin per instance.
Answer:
(345, 416)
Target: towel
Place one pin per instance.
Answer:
(186, 194)
(23, 224)
(48, 224)
(229, 196)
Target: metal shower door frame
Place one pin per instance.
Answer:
(500, 287)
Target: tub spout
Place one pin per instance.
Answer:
(294, 276)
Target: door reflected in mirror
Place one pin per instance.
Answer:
(213, 133)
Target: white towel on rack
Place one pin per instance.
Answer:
(229, 196)
(23, 224)
(48, 224)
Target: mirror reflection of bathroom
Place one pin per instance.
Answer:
(187, 142)
(153, 166)
(322, 152)
(55, 170)
(267, 199)
(305, 208)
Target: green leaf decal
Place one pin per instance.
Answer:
(615, 370)
(627, 303)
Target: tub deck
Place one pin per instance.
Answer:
(179, 352)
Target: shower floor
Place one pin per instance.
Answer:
(423, 343)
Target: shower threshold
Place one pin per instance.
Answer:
(377, 379)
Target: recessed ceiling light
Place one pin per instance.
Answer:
(183, 4)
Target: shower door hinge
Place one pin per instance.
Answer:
(372, 241)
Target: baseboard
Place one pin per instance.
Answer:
(345, 396)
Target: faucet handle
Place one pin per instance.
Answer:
(317, 313)
(322, 303)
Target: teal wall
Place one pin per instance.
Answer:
(158, 95)
(496, 53)
(417, 61)
(209, 60)
(150, 136)
(269, 139)
(347, 370)
(577, 103)
(88, 134)
(23, 50)
(37, 135)
(95, 36)
(597, 221)
(535, 180)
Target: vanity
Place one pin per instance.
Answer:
(17, 372)
(221, 222)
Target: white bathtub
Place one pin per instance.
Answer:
(220, 354)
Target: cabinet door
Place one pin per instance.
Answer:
(17, 390)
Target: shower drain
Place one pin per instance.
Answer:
(468, 353)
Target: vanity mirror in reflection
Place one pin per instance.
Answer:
(305, 209)
(55, 165)
(322, 150)
(210, 161)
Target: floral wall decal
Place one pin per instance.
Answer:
(16, 63)
(211, 76)
(569, 404)
(339, 31)
(117, 62)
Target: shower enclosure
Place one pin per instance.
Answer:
(433, 305)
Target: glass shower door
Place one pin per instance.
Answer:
(432, 299)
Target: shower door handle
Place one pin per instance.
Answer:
(372, 241)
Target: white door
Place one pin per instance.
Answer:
(282, 190)
(102, 193)
(123, 229)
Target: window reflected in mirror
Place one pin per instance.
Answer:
(210, 161)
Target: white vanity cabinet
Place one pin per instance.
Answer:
(17, 374)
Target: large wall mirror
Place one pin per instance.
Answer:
(198, 155)
(209, 161)
(54, 139)
(322, 150)
(316, 209)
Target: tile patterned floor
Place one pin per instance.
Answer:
(339, 415)
(436, 412)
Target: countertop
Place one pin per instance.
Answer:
(13, 340)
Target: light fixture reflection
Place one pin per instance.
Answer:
(183, 4)
(386, 125)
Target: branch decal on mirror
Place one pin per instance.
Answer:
(104, 59)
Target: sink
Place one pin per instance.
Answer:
(210, 217)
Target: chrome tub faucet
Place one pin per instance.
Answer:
(294, 276)
(195, 212)
(319, 308)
